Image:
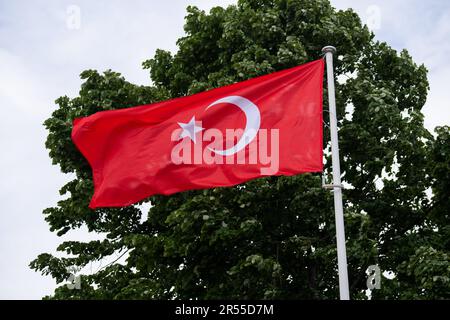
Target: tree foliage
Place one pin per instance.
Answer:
(271, 237)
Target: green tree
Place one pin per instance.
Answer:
(271, 237)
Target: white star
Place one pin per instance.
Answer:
(189, 129)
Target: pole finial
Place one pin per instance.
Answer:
(329, 49)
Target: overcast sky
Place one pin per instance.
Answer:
(44, 45)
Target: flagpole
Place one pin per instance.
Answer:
(337, 186)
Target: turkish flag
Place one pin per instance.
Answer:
(269, 125)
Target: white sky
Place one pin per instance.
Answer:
(41, 56)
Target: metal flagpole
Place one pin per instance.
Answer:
(337, 186)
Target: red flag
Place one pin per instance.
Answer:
(269, 125)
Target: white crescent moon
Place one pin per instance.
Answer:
(253, 118)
